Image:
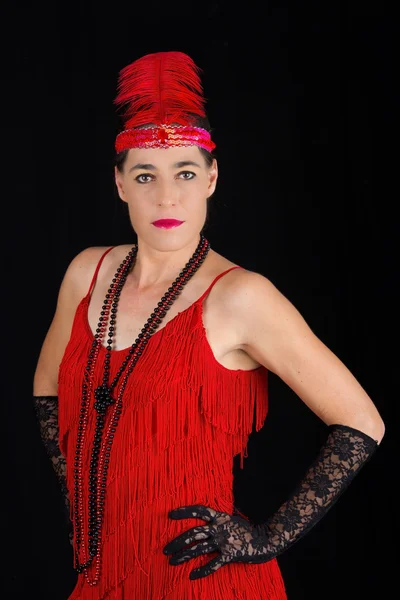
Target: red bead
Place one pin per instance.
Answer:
(106, 440)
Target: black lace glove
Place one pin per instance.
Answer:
(46, 409)
(345, 451)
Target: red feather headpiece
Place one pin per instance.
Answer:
(163, 92)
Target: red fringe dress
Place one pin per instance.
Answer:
(185, 417)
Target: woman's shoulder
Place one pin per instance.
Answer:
(242, 286)
(82, 267)
(239, 274)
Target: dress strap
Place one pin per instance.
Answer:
(97, 270)
(208, 290)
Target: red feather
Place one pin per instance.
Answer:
(159, 88)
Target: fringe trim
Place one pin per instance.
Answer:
(231, 582)
(186, 418)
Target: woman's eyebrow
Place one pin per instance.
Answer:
(143, 166)
(177, 165)
(186, 163)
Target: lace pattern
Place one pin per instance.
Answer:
(345, 451)
(46, 409)
(341, 457)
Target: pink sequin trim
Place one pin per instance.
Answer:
(164, 136)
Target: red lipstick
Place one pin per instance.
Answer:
(167, 223)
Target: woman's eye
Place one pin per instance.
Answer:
(143, 178)
(187, 175)
(147, 177)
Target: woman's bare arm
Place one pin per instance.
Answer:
(74, 286)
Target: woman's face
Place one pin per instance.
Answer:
(171, 183)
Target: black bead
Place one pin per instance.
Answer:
(103, 395)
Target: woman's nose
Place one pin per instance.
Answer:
(166, 193)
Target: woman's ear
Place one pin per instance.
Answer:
(212, 177)
(120, 184)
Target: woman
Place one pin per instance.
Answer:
(154, 363)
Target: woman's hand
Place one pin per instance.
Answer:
(232, 536)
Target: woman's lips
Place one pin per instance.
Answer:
(167, 223)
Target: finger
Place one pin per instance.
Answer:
(212, 566)
(197, 511)
(197, 550)
(188, 537)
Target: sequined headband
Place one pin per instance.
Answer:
(164, 136)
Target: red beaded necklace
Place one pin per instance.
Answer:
(103, 399)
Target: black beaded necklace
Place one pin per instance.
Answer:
(104, 399)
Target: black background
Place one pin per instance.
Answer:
(301, 98)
